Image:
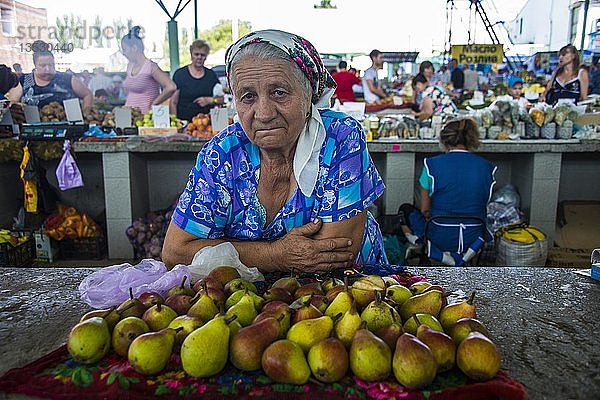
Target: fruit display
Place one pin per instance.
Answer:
(147, 234)
(148, 120)
(375, 329)
(52, 112)
(94, 116)
(70, 223)
(200, 126)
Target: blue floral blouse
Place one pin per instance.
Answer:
(220, 198)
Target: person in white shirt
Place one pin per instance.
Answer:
(370, 83)
(471, 79)
(99, 81)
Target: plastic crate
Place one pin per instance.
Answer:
(87, 248)
(17, 256)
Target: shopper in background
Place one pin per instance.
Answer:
(345, 80)
(457, 183)
(457, 77)
(99, 80)
(10, 87)
(435, 100)
(370, 82)
(18, 69)
(427, 69)
(568, 81)
(46, 80)
(116, 93)
(144, 77)
(198, 87)
(471, 78)
(515, 90)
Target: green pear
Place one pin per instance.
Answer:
(328, 360)
(478, 357)
(378, 314)
(239, 284)
(204, 308)
(307, 289)
(389, 281)
(284, 362)
(131, 307)
(243, 309)
(414, 364)
(205, 351)
(237, 295)
(340, 304)
(429, 302)
(289, 283)
(276, 309)
(453, 312)
(180, 303)
(150, 298)
(307, 311)
(461, 329)
(149, 353)
(441, 345)
(159, 317)
(346, 327)
(370, 358)
(390, 334)
(309, 332)
(398, 293)
(110, 315)
(333, 292)
(224, 274)
(247, 346)
(188, 324)
(363, 290)
(216, 294)
(419, 287)
(331, 283)
(180, 289)
(316, 300)
(411, 324)
(89, 340)
(125, 332)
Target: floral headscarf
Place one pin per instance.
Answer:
(301, 51)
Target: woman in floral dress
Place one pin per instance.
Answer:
(435, 100)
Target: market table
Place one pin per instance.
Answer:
(543, 320)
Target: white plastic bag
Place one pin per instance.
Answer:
(210, 257)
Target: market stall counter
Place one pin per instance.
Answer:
(543, 321)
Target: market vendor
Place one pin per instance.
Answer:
(434, 99)
(10, 87)
(198, 87)
(568, 81)
(46, 80)
(288, 185)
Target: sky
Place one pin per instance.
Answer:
(355, 26)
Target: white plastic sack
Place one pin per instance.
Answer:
(210, 257)
(110, 286)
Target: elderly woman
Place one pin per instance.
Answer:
(45, 80)
(457, 183)
(289, 184)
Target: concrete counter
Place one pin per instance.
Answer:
(544, 321)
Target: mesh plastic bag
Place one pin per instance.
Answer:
(521, 245)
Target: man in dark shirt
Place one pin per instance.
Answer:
(195, 86)
(456, 76)
(345, 80)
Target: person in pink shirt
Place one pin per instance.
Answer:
(144, 79)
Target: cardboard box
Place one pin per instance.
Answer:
(46, 248)
(572, 258)
(578, 225)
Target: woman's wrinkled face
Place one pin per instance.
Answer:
(44, 67)
(270, 102)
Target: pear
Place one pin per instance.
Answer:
(180, 303)
(243, 309)
(328, 360)
(275, 305)
(276, 309)
(346, 327)
(247, 346)
(340, 304)
(284, 362)
(205, 351)
(441, 345)
(389, 281)
(419, 287)
(89, 340)
(411, 324)
(150, 298)
(478, 357)
(216, 294)
(453, 312)
(234, 327)
(414, 364)
(317, 300)
(289, 283)
(110, 315)
(188, 324)
(370, 358)
(131, 307)
(237, 295)
(363, 290)
(149, 353)
(308, 288)
(239, 284)
(180, 289)
(331, 283)
(306, 312)
(378, 314)
(224, 274)
(204, 308)
(333, 292)
(429, 302)
(125, 332)
(398, 293)
(309, 332)
(277, 293)
(461, 329)
(159, 317)
(390, 334)
(208, 282)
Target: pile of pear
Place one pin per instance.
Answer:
(375, 329)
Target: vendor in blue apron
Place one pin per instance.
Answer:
(457, 183)
(45, 80)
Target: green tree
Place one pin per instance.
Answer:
(69, 29)
(219, 36)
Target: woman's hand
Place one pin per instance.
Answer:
(204, 101)
(299, 250)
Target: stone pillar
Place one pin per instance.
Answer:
(399, 177)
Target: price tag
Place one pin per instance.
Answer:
(73, 110)
(122, 117)
(160, 115)
(32, 114)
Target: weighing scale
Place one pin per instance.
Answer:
(52, 130)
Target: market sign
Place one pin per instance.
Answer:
(478, 53)
(400, 56)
